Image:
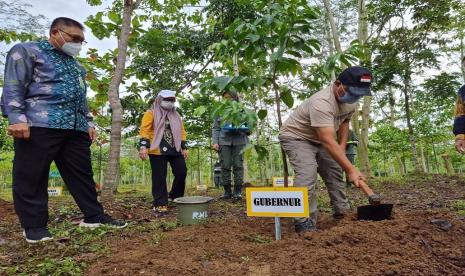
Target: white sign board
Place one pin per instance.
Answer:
(55, 191)
(278, 181)
(277, 202)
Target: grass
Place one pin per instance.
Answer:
(6, 194)
(66, 266)
(258, 239)
(134, 188)
(63, 256)
(459, 206)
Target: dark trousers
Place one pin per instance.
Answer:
(70, 150)
(232, 160)
(351, 158)
(159, 164)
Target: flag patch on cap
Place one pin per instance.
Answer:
(365, 78)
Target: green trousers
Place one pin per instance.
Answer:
(232, 160)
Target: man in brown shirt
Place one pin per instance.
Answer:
(314, 138)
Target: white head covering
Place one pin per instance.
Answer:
(167, 94)
(160, 115)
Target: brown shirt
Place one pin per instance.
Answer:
(320, 110)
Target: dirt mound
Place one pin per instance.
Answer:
(409, 244)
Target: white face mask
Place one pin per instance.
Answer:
(167, 105)
(71, 48)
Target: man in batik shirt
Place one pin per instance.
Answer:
(44, 98)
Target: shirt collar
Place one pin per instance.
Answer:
(45, 45)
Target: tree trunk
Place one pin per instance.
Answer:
(392, 106)
(246, 171)
(401, 164)
(272, 167)
(448, 164)
(411, 133)
(366, 107)
(404, 163)
(280, 123)
(212, 176)
(198, 167)
(332, 23)
(112, 170)
(391, 166)
(330, 40)
(423, 161)
(428, 163)
(191, 169)
(363, 145)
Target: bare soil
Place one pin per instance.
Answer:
(230, 243)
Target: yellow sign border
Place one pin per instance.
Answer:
(249, 190)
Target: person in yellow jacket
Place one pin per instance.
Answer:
(163, 140)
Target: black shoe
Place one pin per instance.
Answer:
(102, 220)
(237, 195)
(226, 195)
(305, 226)
(35, 235)
(339, 215)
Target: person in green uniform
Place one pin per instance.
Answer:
(351, 150)
(229, 141)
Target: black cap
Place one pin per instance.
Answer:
(358, 79)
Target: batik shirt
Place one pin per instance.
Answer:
(44, 88)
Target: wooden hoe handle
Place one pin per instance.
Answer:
(364, 187)
(374, 199)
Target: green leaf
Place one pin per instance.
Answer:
(94, 2)
(262, 152)
(294, 53)
(222, 82)
(262, 114)
(113, 16)
(135, 23)
(268, 19)
(314, 43)
(287, 98)
(253, 37)
(247, 150)
(199, 111)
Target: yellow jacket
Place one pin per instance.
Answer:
(147, 132)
